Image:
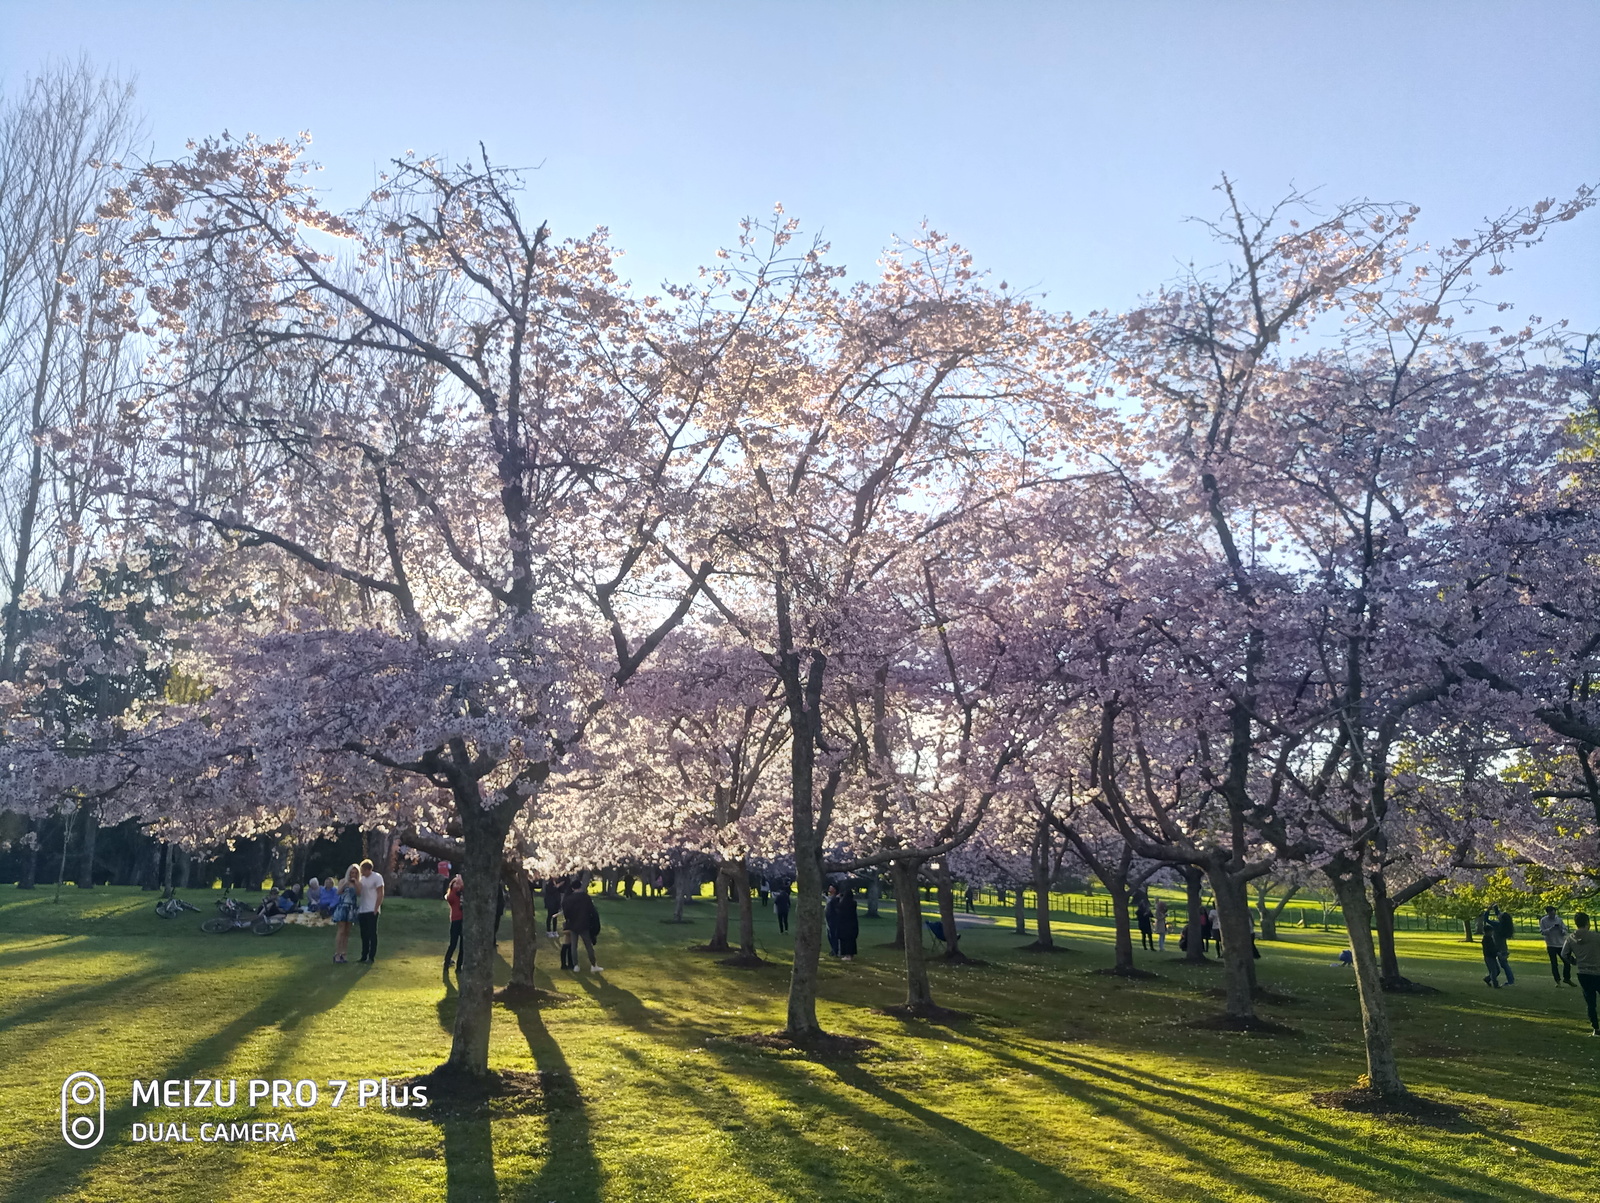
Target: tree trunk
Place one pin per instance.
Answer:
(1041, 904)
(1020, 912)
(947, 917)
(874, 891)
(91, 829)
(801, 1010)
(483, 840)
(169, 853)
(1467, 923)
(1269, 918)
(185, 866)
(1383, 909)
(1238, 966)
(739, 885)
(152, 881)
(680, 892)
(1383, 1072)
(28, 878)
(722, 890)
(1116, 885)
(919, 993)
(1192, 877)
(525, 928)
(899, 940)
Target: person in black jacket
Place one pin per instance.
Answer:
(582, 922)
(780, 904)
(846, 925)
(552, 904)
(830, 919)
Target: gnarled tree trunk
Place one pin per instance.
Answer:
(919, 993)
(483, 841)
(1238, 965)
(1192, 877)
(525, 927)
(722, 891)
(1383, 1070)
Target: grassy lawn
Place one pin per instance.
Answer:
(1063, 1085)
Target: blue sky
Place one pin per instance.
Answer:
(1064, 143)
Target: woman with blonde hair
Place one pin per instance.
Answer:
(344, 913)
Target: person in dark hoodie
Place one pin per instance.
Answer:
(830, 919)
(847, 925)
(1491, 951)
(552, 905)
(780, 904)
(582, 923)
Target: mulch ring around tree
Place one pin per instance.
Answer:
(1262, 995)
(1405, 985)
(931, 1012)
(1038, 947)
(1238, 1023)
(824, 1046)
(528, 996)
(1412, 1108)
(1130, 972)
(456, 1095)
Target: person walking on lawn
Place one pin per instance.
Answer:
(1503, 928)
(848, 925)
(1147, 938)
(1491, 951)
(1555, 935)
(582, 923)
(780, 904)
(1582, 948)
(370, 888)
(452, 897)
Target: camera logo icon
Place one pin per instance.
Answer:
(86, 1094)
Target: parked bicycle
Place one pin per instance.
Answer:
(171, 906)
(231, 916)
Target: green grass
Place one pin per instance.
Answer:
(1064, 1085)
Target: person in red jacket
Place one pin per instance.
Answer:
(453, 897)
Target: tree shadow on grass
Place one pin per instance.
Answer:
(55, 1006)
(571, 1171)
(59, 1168)
(1138, 1099)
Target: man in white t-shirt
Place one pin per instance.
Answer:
(369, 903)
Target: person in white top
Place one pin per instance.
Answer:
(1161, 925)
(369, 893)
(1555, 935)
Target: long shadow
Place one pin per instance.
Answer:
(570, 1172)
(57, 1173)
(1276, 1137)
(983, 1151)
(55, 1006)
(54, 947)
(469, 1161)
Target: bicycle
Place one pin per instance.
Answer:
(233, 917)
(171, 906)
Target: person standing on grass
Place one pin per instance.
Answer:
(1582, 948)
(452, 897)
(1555, 935)
(830, 918)
(1147, 938)
(849, 925)
(1503, 928)
(1161, 925)
(582, 922)
(780, 904)
(1491, 952)
(552, 906)
(972, 896)
(370, 906)
(344, 913)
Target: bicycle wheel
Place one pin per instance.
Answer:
(218, 926)
(267, 925)
(163, 910)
